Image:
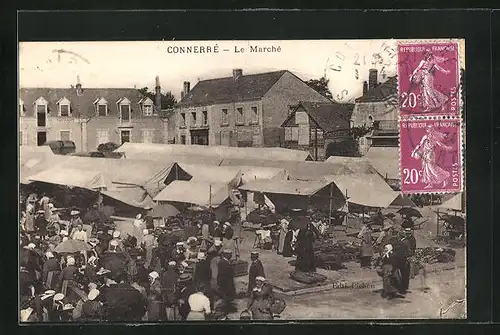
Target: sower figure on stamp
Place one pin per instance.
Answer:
(423, 75)
(432, 173)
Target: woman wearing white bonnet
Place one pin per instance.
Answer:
(389, 290)
(155, 301)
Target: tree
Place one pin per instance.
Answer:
(350, 146)
(321, 86)
(168, 100)
(107, 147)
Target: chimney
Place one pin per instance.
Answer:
(372, 79)
(365, 87)
(157, 95)
(182, 95)
(187, 87)
(237, 73)
(79, 89)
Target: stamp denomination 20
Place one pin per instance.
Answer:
(431, 159)
(428, 76)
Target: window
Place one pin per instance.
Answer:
(205, 118)
(183, 120)
(102, 136)
(370, 118)
(240, 117)
(225, 117)
(41, 108)
(255, 115)
(125, 113)
(102, 109)
(148, 110)
(193, 118)
(183, 139)
(147, 136)
(125, 136)
(65, 135)
(64, 110)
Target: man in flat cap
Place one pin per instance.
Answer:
(256, 270)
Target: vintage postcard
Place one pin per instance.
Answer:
(168, 181)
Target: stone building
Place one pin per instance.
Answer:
(240, 111)
(90, 116)
(377, 108)
(313, 126)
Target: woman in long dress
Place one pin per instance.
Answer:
(432, 173)
(261, 300)
(282, 235)
(423, 75)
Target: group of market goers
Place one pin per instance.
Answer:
(176, 280)
(395, 248)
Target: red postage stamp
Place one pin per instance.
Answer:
(429, 78)
(430, 155)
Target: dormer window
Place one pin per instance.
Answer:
(147, 106)
(124, 109)
(64, 107)
(21, 108)
(101, 106)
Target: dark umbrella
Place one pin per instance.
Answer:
(411, 212)
(299, 222)
(455, 221)
(100, 215)
(124, 303)
(163, 211)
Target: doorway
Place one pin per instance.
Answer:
(125, 136)
(41, 138)
(199, 137)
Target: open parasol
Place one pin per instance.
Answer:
(71, 246)
(411, 212)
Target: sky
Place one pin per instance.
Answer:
(136, 64)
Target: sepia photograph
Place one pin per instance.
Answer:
(177, 181)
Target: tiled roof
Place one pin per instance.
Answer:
(381, 92)
(83, 105)
(224, 90)
(329, 116)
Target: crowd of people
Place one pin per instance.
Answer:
(164, 275)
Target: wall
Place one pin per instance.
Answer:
(287, 91)
(379, 111)
(226, 135)
(28, 125)
(111, 123)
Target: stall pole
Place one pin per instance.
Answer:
(437, 223)
(209, 195)
(316, 144)
(347, 207)
(331, 205)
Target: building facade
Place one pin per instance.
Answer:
(242, 110)
(90, 116)
(313, 126)
(377, 109)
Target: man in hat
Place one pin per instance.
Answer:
(139, 222)
(74, 221)
(256, 270)
(366, 252)
(50, 271)
(201, 273)
(114, 260)
(405, 250)
(68, 274)
(214, 257)
(104, 238)
(186, 288)
(227, 240)
(205, 234)
(41, 224)
(225, 279)
(191, 251)
(169, 290)
(79, 234)
(149, 243)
